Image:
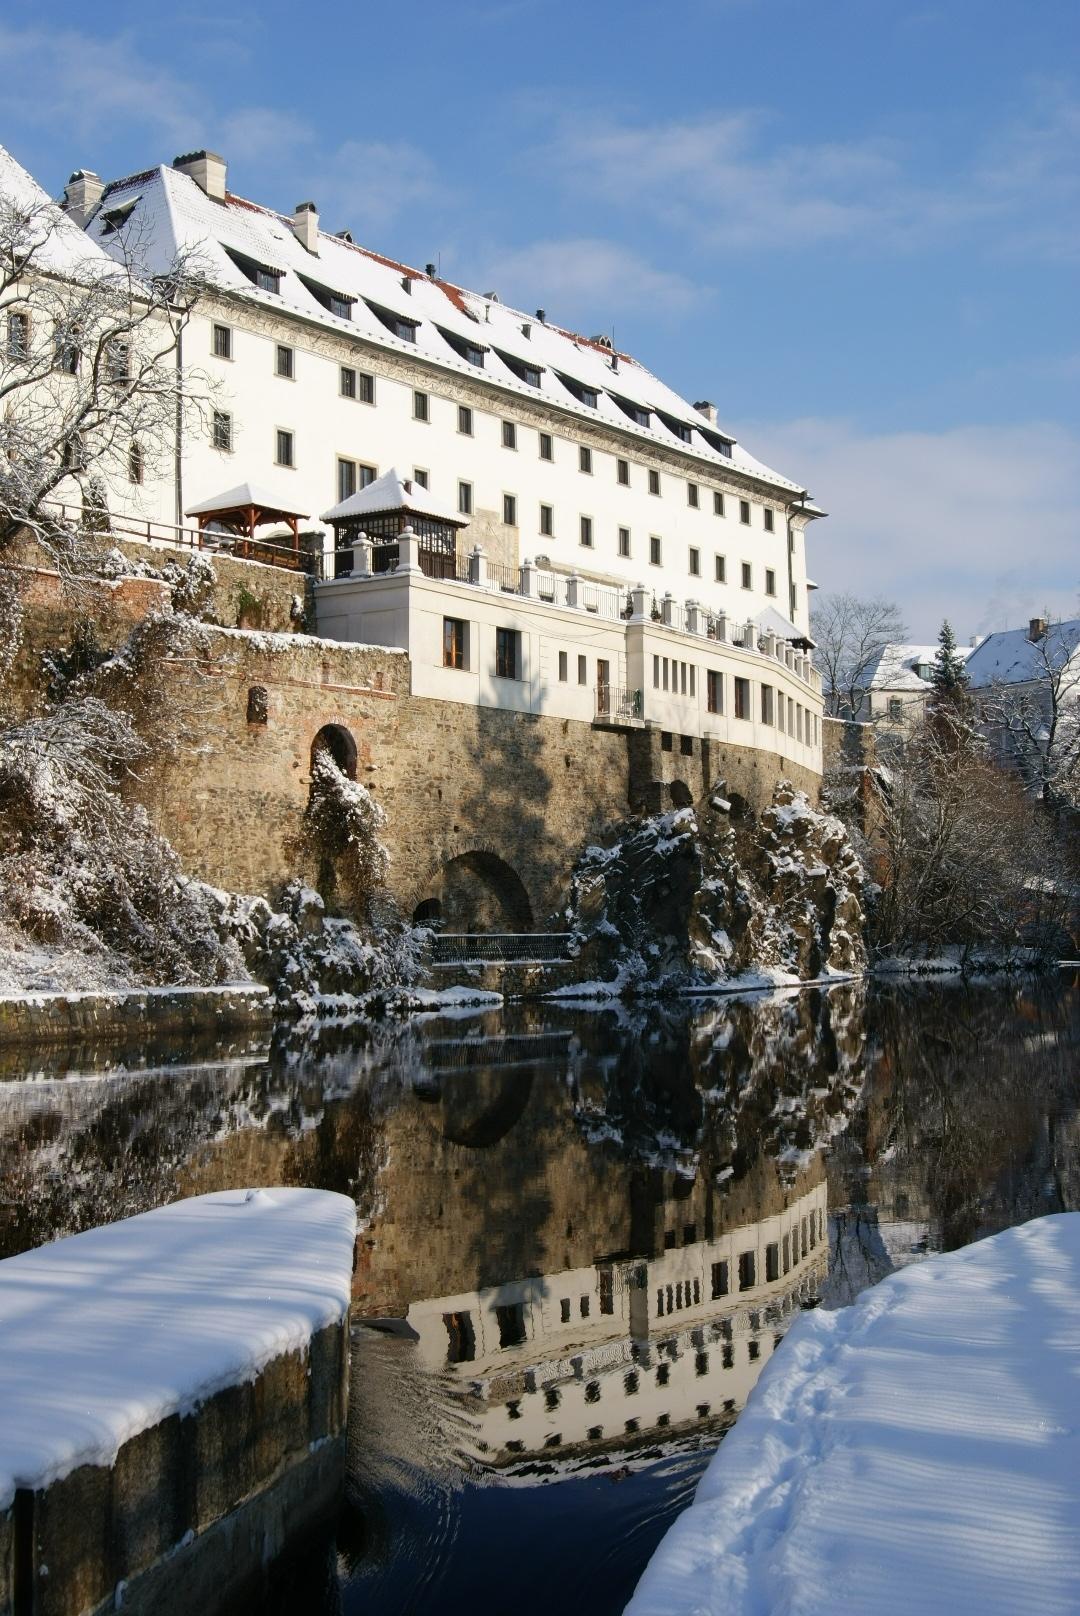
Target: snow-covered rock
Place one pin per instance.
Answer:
(710, 895)
(918, 1451)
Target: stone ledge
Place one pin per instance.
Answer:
(33, 1017)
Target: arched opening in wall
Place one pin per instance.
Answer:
(479, 892)
(681, 795)
(428, 913)
(335, 739)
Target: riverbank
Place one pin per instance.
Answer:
(916, 1451)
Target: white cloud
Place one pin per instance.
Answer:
(978, 524)
(726, 182)
(584, 279)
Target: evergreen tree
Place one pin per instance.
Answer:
(947, 674)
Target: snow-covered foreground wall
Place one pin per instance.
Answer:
(161, 1377)
(917, 1452)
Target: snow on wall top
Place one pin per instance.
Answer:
(1010, 657)
(106, 1333)
(171, 212)
(61, 246)
(918, 1451)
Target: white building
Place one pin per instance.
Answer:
(616, 552)
(898, 684)
(630, 1350)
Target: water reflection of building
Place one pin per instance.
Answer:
(627, 1350)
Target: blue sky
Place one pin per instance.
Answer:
(853, 224)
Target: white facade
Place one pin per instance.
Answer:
(620, 1352)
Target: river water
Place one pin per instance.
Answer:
(583, 1233)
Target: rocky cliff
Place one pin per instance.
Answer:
(714, 894)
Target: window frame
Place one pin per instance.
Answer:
(508, 654)
(289, 373)
(285, 435)
(225, 332)
(465, 498)
(509, 434)
(421, 406)
(456, 644)
(465, 420)
(510, 505)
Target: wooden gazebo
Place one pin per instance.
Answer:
(239, 512)
(382, 511)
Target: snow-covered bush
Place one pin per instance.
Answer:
(340, 836)
(84, 870)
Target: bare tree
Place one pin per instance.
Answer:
(91, 387)
(1035, 719)
(850, 635)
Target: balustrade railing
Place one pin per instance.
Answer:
(499, 948)
(619, 704)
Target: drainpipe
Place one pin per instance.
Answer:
(178, 458)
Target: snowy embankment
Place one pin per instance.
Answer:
(105, 1334)
(918, 1451)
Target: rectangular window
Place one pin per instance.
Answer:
(564, 1310)
(68, 354)
(421, 407)
(347, 381)
(420, 477)
(464, 498)
(692, 495)
(770, 581)
(786, 1247)
(582, 670)
(586, 532)
(790, 716)
(686, 743)
(664, 667)
(221, 431)
(622, 472)
(510, 510)
(346, 479)
(507, 653)
(511, 1322)
(453, 640)
(464, 420)
(720, 568)
(714, 691)
(547, 521)
(747, 1270)
(283, 362)
(624, 541)
(798, 722)
(118, 361)
(744, 512)
(584, 459)
(547, 446)
(717, 503)
(695, 562)
(564, 667)
(665, 746)
(18, 335)
(742, 698)
(747, 576)
(654, 550)
(654, 482)
(896, 709)
(767, 704)
(283, 444)
(135, 462)
(719, 1280)
(222, 342)
(509, 435)
(768, 515)
(656, 673)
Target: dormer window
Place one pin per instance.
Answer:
(583, 394)
(524, 371)
(114, 219)
(264, 277)
(398, 327)
(636, 413)
(680, 429)
(336, 303)
(472, 352)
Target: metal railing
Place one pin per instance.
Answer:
(92, 520)
(500, 948)
(618, 704)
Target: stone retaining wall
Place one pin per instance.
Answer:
(132, 1013)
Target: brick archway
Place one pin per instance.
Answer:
(475, 890)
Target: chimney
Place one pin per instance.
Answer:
(305, 225)
(707, 410)
(429, 271)
(540, 316)
(82, 194)
(207, 169)
(1037, 629)
(526, 329)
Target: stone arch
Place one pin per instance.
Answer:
(339, 742)
(478, 1108)
(476, 891)
(681, 795)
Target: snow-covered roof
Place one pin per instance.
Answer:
(773, 622)
(59, 245)
(242, 498)
(444, 323)
(392, 492)
(1010, 657)
(896, 667)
